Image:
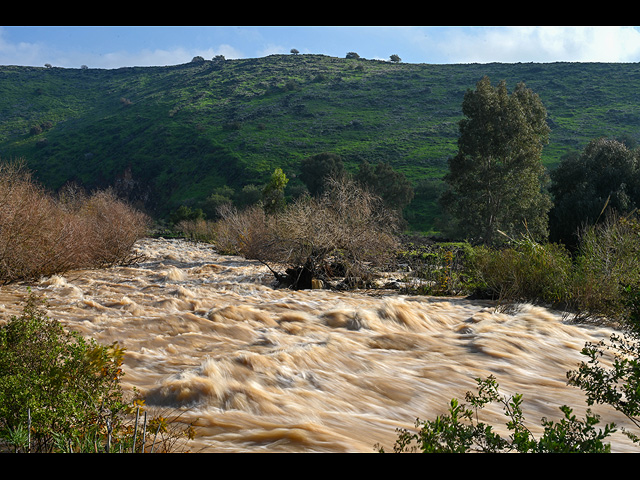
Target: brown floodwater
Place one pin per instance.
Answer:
(268, 370)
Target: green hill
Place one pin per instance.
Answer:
(170, 135)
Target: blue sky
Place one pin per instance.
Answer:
(125, 46)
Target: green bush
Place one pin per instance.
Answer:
(438, 268)
(611, 376)
(461, 431)
(606, 280)
(525, 271)
(56, 383)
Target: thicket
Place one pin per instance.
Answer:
(598, 280)
(44, 234)
(61, 392)
(345, 232)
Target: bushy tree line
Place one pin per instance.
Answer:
(498, 189)
(43, 234)
(498, 198)
(569, 239)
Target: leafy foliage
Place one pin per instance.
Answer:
(461, 431)
(317, 169)
(605, 176)
(393, 187)
(606, 278)
(617, 385)
(68, 385)
(61, 392)
(495, 179)
(273, 193)
(439, 268)
(524, 271)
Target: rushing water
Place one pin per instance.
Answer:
(266, 370)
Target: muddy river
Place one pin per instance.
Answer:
(266, 370)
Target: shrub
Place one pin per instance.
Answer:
(60, 392)
(611, 376)
(461, 431)
(43, 235)
(439, 268)
(242, 232)
(606, 280)
(112, 227)
(55, 381)
(525, 271)
(199, 230)
(344, 232)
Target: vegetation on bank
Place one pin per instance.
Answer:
(42, 234)
(513, 247)
(61, 393)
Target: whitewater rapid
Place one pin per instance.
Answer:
(267, 370)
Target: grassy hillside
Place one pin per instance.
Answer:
(170, 135)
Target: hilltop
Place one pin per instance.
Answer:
(170, 135)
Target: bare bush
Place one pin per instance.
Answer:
(42, 235)
(199, 230)
(112, 227)
(346, 232)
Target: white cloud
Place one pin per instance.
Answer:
(541, 44)
(21, 53)
(272, 49)
(39, 53)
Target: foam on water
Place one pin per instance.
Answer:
(308, 371)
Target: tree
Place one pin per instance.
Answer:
(315, 170)
(220, 196)
(184, 212)
(495, 180)
(249, 195)
(604, 176)
(394, 188)
(273, 192)
(345, 232)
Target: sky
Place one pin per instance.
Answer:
(110, 47)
